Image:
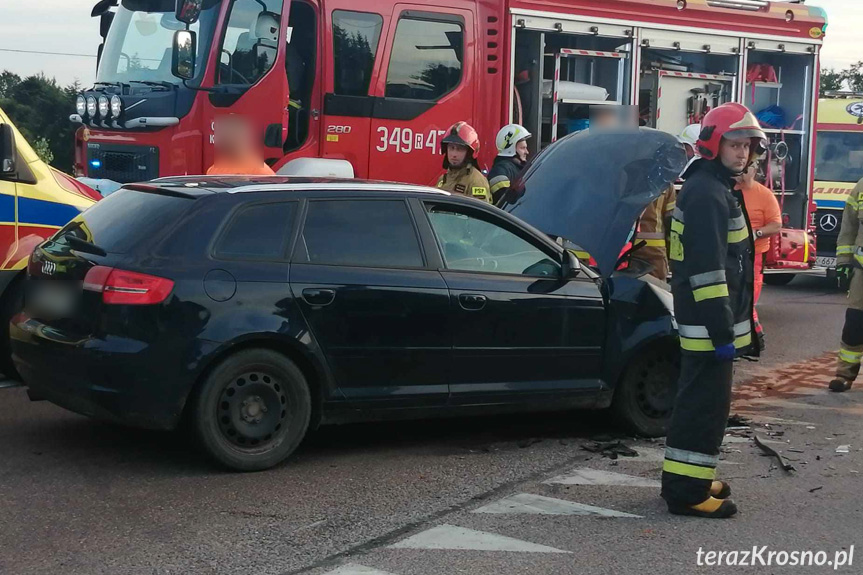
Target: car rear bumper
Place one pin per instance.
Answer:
(115, 379)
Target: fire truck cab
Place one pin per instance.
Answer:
(375, 83)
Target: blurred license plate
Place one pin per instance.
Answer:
(825, 262)
(52, 299)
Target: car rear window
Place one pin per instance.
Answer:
(258, 232)
(127, 218)
(365, 233)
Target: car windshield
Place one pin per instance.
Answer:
(839, 157)
(139, 43)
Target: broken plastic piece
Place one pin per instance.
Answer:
(770, 451)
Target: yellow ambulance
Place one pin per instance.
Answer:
(35, 201)
(838, 167)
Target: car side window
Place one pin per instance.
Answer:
(474, 244)
(260, 231)
(364, 233)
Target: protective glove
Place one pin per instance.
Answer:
(843, 275)
(726, 352)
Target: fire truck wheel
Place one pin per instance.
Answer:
(13, 301)
(778, 279)
(252, 410)
(644, 396)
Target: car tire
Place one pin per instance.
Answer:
(778, 279)
(252, 410)
(13, 302)
(644, 396)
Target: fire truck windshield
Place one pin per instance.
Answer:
(139, 44)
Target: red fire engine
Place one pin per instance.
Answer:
(368, 87)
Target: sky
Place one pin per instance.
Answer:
(65, 26)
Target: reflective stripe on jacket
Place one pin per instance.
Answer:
(712, 263)
(849, 244)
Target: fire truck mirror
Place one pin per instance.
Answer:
(183, 58)
(105, 21)
(188, 11)
(7, 150)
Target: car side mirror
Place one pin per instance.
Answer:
(570, 267)
(183, 57)
(8, 156)
(188, 11)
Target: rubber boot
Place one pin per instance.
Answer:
(720, 490)
(711, 508)
(840, 384)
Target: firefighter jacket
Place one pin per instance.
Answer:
(849, 245)
(712, 263)
(653, 231)
(467, 181)
(503, 172)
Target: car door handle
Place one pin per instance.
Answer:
(472, 301)
(319, 297)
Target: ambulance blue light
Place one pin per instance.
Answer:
(96, 163)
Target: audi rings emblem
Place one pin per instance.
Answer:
(828, 222)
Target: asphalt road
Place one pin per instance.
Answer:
(81, 497)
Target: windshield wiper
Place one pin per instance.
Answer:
(84, 246)
(166, 85)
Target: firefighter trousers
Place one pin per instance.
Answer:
(697, 428)
(851, 348)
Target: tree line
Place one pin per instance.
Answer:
(849, 78)
(40, 109)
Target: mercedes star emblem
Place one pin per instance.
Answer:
(828, 222)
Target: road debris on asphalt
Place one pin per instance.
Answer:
(610, 449)
(843, 449)
(737, 420)
(770, 451)
(814, 489)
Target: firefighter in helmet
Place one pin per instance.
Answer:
(460, 147)
(849, 261)
(512, 153)
(712, 259)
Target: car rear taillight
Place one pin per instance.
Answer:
(121, 287)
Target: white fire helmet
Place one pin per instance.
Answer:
(508, 137)
(689, 138)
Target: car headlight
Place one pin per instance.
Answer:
(116, 106)
(81, 105)
(104, 106)
(91, 106)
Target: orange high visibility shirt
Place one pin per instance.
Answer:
(763, 209)
(249, 166)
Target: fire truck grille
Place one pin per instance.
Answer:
(828, 223)
(122, 164)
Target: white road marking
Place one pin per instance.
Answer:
(356, 569)
(585, 476)
(528, 503)
(458, 538)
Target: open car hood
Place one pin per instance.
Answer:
(591, 187)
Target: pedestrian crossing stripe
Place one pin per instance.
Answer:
(586, 476)
(356, 569)
(531, 504)
(453, 538)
